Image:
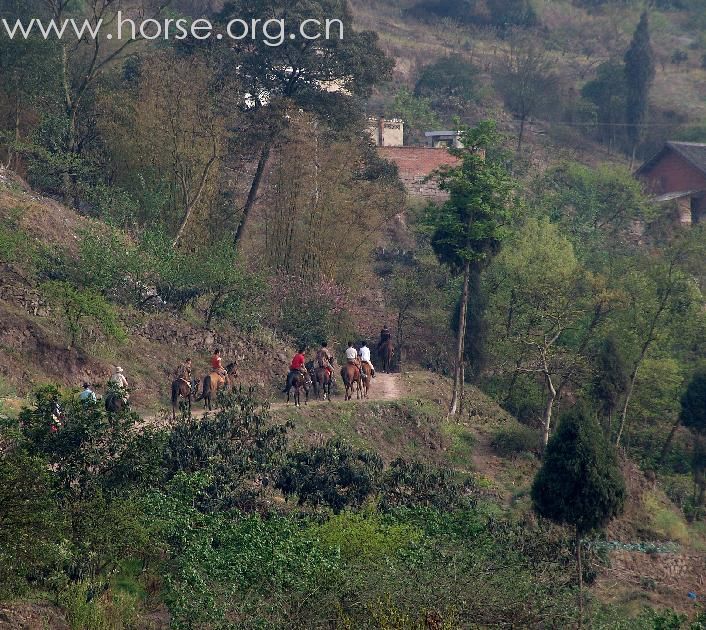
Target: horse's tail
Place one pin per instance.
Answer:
(206, 389)
(175, 393)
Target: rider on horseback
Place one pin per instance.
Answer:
(119, 385)
(298, 365)
(325, 359)
(364, 354)
(352, 354)
(183, 372)
(217, 363)
(385, 336)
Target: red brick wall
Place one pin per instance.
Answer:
(417, 163)
(674, 174)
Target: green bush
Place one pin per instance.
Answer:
(230, 450)
(515, 440)
(31, 524)
(335, 475)
(82, 310)
(409, 484)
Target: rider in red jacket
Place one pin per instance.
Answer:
(298, 364)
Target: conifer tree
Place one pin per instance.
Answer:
(580, 483)
(693, 416)
(639, 76)
(611, 379)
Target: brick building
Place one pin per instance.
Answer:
(415, 164)
(677, 175)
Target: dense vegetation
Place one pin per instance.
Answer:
(216, 188)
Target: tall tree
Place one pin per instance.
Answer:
(580, 483)
(544, 310)
(693, 416)
(470, 226)
(84, 60)
(28, 77)
(611, 379)
(525, 81)
(661, 299)
(639, 76)
(326, 76)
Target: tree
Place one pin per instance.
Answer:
(327, 76)
(83, 61)
(470, 226)
(544, 308)
(334, 474)
(611, 379)
(451, 83)
(28, 72)
(180, 124)
(639, 76)
(81, 307)
(661, 296)
(608, 93)
(580, 483)
(410, 295)
(525, 81)
(693, 416)
(416, 111)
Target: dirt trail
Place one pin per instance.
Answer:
(384, 387)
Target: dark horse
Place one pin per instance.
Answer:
(297, 382)
(350, 374)
(214, 382)
(386, 352)
(181, 390)
(322, 381)
(115, 403)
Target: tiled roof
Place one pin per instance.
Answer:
(692, 152)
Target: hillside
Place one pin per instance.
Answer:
(536, 455)
(33, 348)
(576, 38)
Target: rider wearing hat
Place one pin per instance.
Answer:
(119, 383)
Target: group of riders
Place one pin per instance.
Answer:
(360, 357)
(300, 368)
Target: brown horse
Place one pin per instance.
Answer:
(297, 382)
(350, 373)
(322, 383)
(386, 352)
(367, 372)
(181, 390)
(215, 382)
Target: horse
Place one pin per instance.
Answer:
(214, 382)
(297, 382)
(181, 390)
(115, 402)
(350, 374)
(366, 371)
(322, 381)
(386, 352)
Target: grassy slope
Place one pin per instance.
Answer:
(416, 426)
(33, 342)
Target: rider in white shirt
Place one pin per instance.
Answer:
(364, 354)
(351, 353)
